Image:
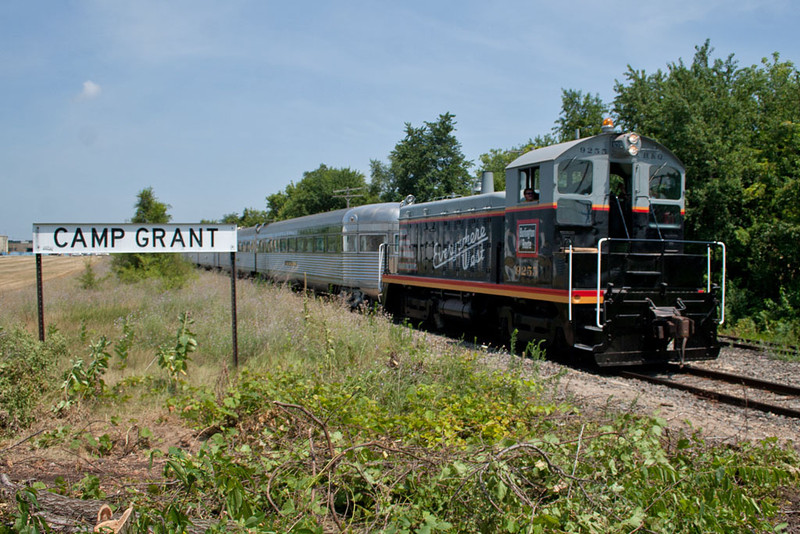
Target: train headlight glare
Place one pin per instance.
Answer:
(633, 139)
(633, 150)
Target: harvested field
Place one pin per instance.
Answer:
(17, 272)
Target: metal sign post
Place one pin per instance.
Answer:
(138, 239)
(233, 312)
(39, 296)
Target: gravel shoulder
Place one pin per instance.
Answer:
(595, 393)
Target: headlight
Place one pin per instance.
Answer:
(630, 144)
(634, 143)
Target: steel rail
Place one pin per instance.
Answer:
(759, 346)
(774, 387)
(715, 395)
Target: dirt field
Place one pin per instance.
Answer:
(17, 272)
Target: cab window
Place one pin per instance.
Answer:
(529, 180)
(575, 177)
(665, 183)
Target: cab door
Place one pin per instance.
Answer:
(620, 201)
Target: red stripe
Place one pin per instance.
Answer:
(536, 293)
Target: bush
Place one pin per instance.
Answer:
(25, 374)
(172, 269)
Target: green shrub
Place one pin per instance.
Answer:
(175, 359)
(88, 279)
(26, 367)
(431, 445)
(171, 269)
(85, 379)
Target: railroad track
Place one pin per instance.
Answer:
(759, 346)
(737, 390)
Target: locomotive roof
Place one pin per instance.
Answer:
(547, 153)
(553, 152)
(453, 206)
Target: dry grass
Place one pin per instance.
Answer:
(277, 328)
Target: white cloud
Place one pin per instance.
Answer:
(90, 91)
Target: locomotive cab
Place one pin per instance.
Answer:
(607, 229)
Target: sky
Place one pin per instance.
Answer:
(218, 104)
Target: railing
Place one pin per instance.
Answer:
(382, 251)
(387, 261)
(569, 296)
(708, 244)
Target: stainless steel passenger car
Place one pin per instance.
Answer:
(336, 251)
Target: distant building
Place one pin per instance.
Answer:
(19, 247)
(3, 244)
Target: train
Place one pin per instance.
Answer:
(583, 252)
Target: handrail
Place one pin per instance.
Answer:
(569, 296)
(381, 252)
(708, 244)
(599, 277)
(724, 263)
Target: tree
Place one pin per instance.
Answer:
(581, 113)
(319, 191)
(170, 268)
(249, 217)
(149, 209)
(737, 130)
(427, 163)
(497, 159)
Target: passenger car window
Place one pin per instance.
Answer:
(334, 243)
(370, 243)
(575, 177)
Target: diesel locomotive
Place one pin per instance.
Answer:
(584, 250)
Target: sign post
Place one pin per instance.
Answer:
(40, 296)
(94, 239)
(234, 334)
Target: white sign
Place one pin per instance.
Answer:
(141, 238)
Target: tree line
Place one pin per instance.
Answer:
(737, 130)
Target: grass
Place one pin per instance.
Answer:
(346, 421)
